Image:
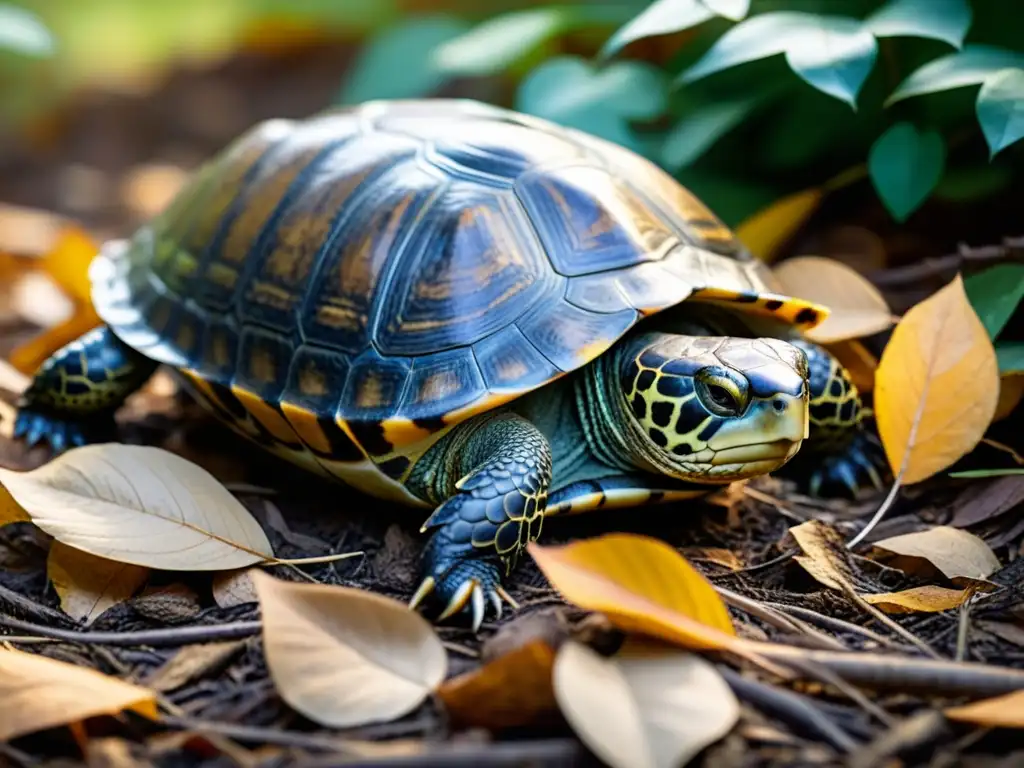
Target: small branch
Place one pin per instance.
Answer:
(834, 624)
(1011, 249)
(19, 606)
(156, 638)
(771, 616)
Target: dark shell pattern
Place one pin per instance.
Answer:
(354, 282)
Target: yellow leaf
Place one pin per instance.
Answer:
(928, 599)
(858, 362)
(1006, 711)
(28, 356)
(344, 657)
(649, 706)
(11, 379)
(642, 585)
(68, 263)
(857, 308)
(512, 691)
(141, 505)
(1011, 391)
(193, 662)
(956, 553)
(769, 229)
(10, 510)
(88, 585)
(824, 554)
(936, 386)
(37, 693)
(233, 588)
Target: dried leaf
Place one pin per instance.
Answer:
(1011, 392)
(512, 691)
(37, 693)
(936, 386)
(11, 379)
(1006, 711)
(825, 556)
(642, 585)
(193, 662)
(68, 263)
(857, 307)
(344, 657)
(233, 588)
(140, 505)
(717, 555)
(649, 706)
(927, 599)
(28, 356)
(10, 510)
(955, 553)
(858, 361)
(88, 585)
(979, 502)
(767, 231)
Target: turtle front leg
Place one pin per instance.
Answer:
(490, 476)
(842, 452)
(73, 396)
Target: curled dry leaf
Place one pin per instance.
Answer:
(141, 505)
(825, 556)
(344, 657)
(858, 361)
(1006, 711)
(767, 231)
(927, 599)
(937, 385)
(858, 309)
(193, 662)
(982, 501)
(88, 585)
(233, 588)
(649, 706)
(957, 554)
(37, 693)
(513, 690)
(642, 585)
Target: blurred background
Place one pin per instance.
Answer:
(773, 111)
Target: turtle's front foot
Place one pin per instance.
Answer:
(61, 432)
(860, 463)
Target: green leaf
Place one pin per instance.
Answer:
(1001, 109)
(567, 90)
(734, 10)
(699, 130)
(834, 54)
(396, 63)
(663, 17)
(971, 183)
(500, 42)
(905, 166)
(970, 66)
(946, 20)
(21, 31)
(976, 473)
(995, 293)
(1010, 356)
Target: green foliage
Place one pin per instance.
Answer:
(23, 32)
(1010, 356)
(972, 65)
(995, 293)
(1001, 108)
(946, 20)
(905, 165)
(663, 17)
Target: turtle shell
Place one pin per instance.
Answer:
(362, 279)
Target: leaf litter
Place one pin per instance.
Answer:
(743, 549)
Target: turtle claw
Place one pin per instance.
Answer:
(36, 427)
(468, 587)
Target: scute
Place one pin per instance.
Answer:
(367, 277)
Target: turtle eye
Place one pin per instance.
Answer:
(721, 393)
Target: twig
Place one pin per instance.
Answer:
(836, 625)
(20, 606)
(889, 499)
(1004, 448)
(906, 674)
(964, 625)
(776, 619)
(882, 618)
(913, 733)
(252, 734)
(157, 638)
(1011, 248)
(789, 707)
(825, 675)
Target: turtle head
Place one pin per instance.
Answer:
(714, 409)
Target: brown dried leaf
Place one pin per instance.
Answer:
(1005, 711)
(88, 585)
(1011, 392)
(233, 588)
(955, 553)
(37, 693)
(10, 510)
(717, 555)
(858, 361)
(979, 502)
(512, 691)
(927, 599)
(193, 662)
(344, 657)
(825, 556)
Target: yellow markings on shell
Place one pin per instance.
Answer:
(219, 349)
(186, 335)
(312, 381)
(267, 416)
(490, 401)
(306, 425)
(593, 349)
(621, 497)
(224, 276)
(404, 432)
(796, 312)
(262, 365)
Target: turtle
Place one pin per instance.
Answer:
(472, 311)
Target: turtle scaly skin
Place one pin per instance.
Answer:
(474, 312)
